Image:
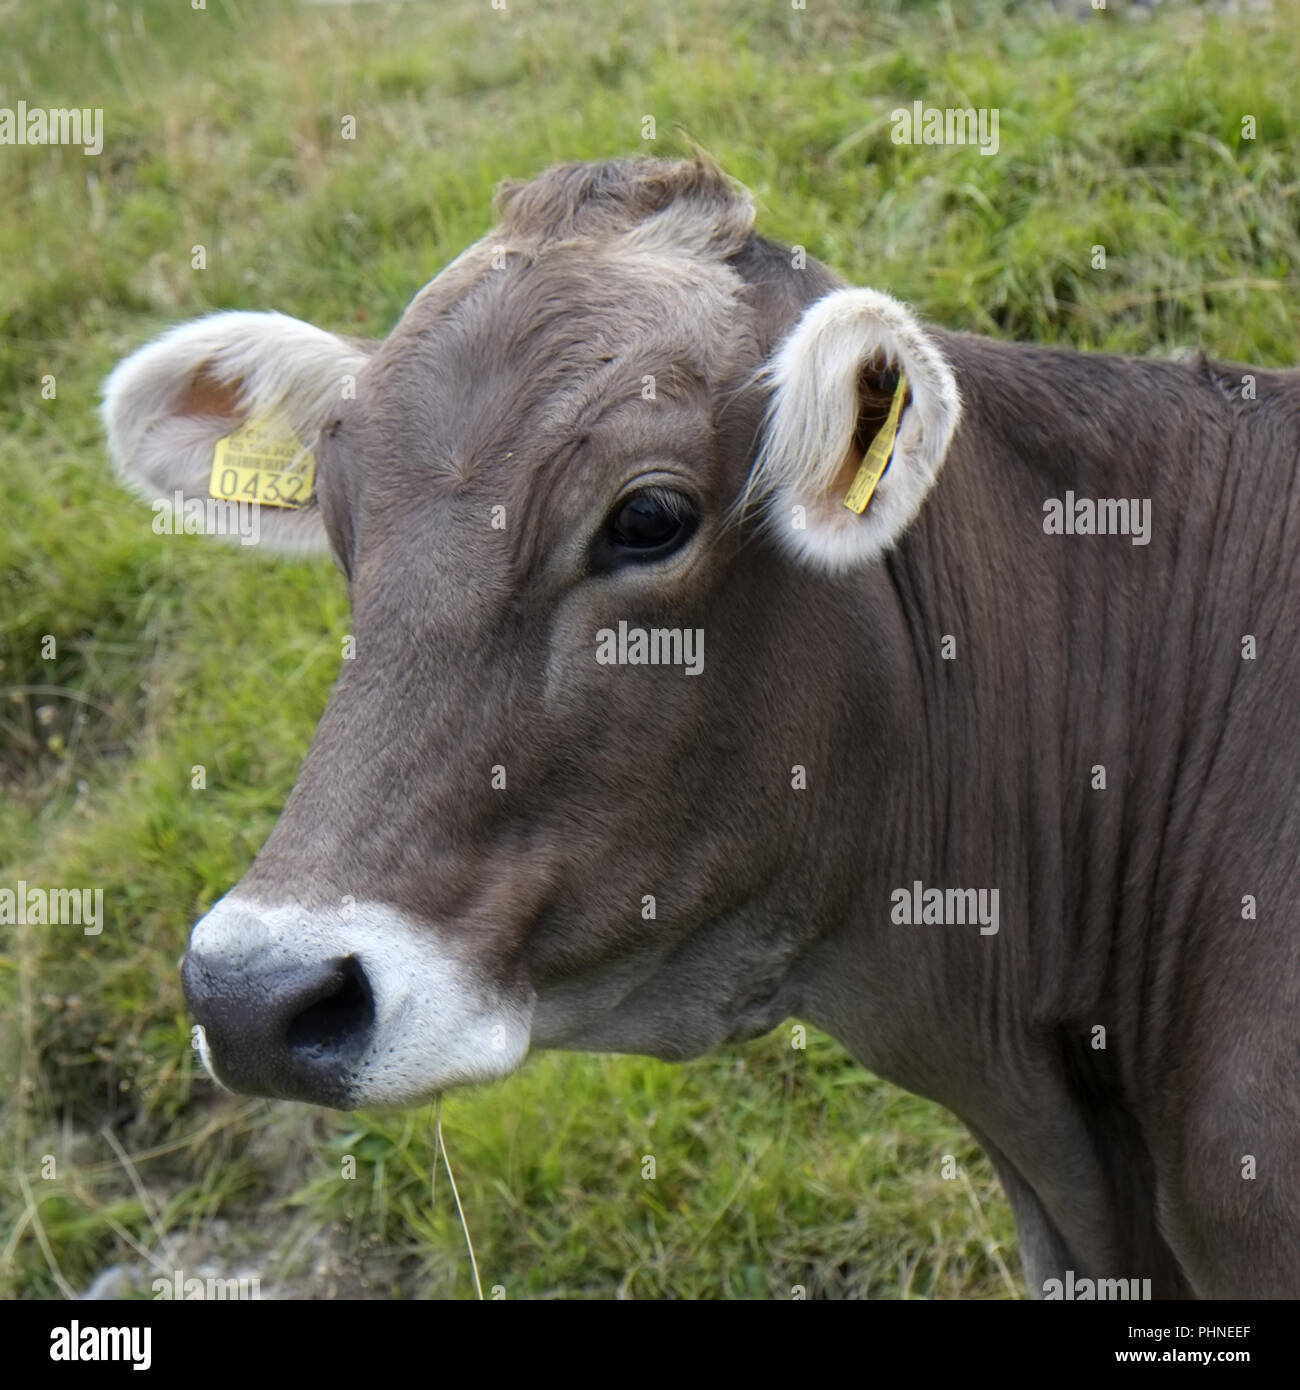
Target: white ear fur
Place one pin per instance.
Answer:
(160, 445)
(813, 414)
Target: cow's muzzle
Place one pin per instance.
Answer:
(350, 1006)
(296, 1032)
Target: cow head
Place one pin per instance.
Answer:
(620, 416)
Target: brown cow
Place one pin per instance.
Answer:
(993, 776)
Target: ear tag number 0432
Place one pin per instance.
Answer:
(263, 461)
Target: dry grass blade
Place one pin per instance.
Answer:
(451, 1178)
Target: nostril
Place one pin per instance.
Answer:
(339, 1019)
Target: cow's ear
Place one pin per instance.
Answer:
(855, 368)
(264, 382)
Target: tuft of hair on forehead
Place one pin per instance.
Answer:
(686, 205)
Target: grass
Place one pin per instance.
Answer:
(775, 1168)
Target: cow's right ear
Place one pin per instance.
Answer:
(167, 406)
(855, 368)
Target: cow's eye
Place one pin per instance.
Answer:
(646, 526)
(647, 521)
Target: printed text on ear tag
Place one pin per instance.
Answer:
(876, 459)
(263, 461)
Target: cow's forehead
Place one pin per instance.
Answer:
(601, 291)
(589, 298)
(519, 352)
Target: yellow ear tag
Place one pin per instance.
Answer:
(263, 461)
(880, 451)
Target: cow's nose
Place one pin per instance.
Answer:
(293, 1031)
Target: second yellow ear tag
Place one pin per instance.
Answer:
(263, 461)
(879, 452)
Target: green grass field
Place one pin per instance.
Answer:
(775, 1167)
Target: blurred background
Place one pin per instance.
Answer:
(223, 127)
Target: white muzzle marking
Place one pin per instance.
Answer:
(438, 1022)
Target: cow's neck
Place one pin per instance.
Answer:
(1043, 695)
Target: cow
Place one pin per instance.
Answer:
(984, 759)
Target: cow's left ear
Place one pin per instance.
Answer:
(226, 410)
(855, 368)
